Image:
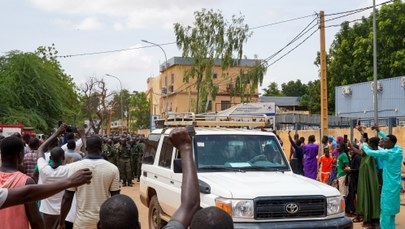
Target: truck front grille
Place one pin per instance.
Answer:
(290, 207)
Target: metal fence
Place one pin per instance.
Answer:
(304, 122)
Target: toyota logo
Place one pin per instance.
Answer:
(291, 208)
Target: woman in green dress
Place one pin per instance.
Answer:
(368, 191)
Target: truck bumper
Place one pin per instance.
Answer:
(338, 223)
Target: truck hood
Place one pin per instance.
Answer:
(247, 185)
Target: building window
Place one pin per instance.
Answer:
(214, 75)
(209, 107)
(172, 78)
(165, 81)
(225, 104)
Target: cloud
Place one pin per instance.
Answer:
(163, 17)
(118, 26)
(89, 23)
(128, 14)
(125, 61)
(63, 23)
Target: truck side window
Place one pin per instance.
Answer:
(151, 145)
(166, 153)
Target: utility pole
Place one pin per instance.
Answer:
(324, 81)
(375, 65)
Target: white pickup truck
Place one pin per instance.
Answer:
(244, 172)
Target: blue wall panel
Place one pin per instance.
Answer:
(391, 100)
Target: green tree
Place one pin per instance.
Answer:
(126, 106)
(246, 84)
(140, 110)
(293, 88)
(350, 58)
(272, 90)
(312, 99)
(210, 38)
(36, 91)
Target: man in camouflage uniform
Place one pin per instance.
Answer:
(140, 148)
(134, 157)
(110, 151)
(124, 162)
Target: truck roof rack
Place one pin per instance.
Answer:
(213, 120)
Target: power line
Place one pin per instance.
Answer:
(293, 48)
(351, 12)
(281, 22)
(359, 9)
(338, 25)
(112, 51)
(298, 36)
(346, 13)
(170, 43)
(342, 16)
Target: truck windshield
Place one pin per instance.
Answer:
(239, 152)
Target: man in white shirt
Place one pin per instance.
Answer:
(50, 207)
(105, 183)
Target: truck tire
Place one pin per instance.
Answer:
(154, 220)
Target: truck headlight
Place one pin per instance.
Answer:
(335, 205)
(236, 208)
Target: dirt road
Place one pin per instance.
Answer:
(133, 192)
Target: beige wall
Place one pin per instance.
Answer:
(154, 94)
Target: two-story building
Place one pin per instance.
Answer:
(168, 91)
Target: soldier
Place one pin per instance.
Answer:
(140, 148)
(110, 151)
(134, 156)
(104, 147)
(124, 162)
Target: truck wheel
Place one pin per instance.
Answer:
(155, 222)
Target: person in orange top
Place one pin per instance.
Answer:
(325, 165)
(24, 215)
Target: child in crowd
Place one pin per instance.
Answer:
(325, 165)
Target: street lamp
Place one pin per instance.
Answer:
(166, 104)
(122, 110)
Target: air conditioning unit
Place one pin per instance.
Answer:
(403, 81)
(346, 90)
(379, 86)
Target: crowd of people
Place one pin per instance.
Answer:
(79, 184)
(367, 172)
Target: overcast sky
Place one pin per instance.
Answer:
(87, 26)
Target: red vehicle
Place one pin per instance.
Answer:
(9, 129)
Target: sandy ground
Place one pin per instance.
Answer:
(133, 192)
